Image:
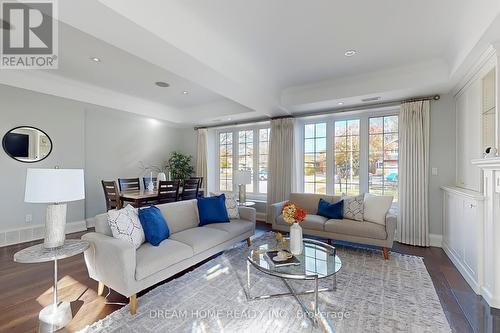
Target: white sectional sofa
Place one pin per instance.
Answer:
(117, 264)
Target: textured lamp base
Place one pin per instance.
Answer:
(53, 318)
(55, 226)
(242, 193)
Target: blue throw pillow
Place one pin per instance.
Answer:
(154, 225)
(212, 210)
(331, 210)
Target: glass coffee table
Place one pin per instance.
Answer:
(318, 260)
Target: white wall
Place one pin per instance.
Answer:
(63, 121)
(442, 156)
(107, 143)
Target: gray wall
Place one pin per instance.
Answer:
(116, 141)
(107, 143)
(442, 156)
(63, 121)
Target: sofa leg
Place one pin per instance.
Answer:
(249, 242)
(100, 288)
(386, 253)
(133, 304)
(329, 241)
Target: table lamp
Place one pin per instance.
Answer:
(55, 187)
(242, 178)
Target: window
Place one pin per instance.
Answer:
(315, 158)
(245, 154)
(244, 149)
(347, 157)
(383, 156)
(263, 158)
(226, 161)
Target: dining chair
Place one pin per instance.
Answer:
(168, 191)
(190, 189)
(145, 181)
(111, 195)
(129, 184)
(200, 179)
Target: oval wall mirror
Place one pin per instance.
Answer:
(27, 144)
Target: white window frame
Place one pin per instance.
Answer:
(254, 194)
(363, 116)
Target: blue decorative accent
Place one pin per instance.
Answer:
(212, 210)
(154, 225)
(331, 210)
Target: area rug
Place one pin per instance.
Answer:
(373, 295)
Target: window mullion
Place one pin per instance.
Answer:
(364, 155)
(256, 158)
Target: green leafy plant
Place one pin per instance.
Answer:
(179, 166)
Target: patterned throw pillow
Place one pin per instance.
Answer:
(231, 204)
(354, 207)
(125, 224)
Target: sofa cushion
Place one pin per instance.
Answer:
(356, 228)
(376, 207)
(154, 225)
(180, 215)
(212, 210)
(331, 210)
(152, 259)
(312, 221)
(309, 201)
(231, 204)
(201, 238)
(234, 228)
(125, 225)
(354, 207)
(102, 225)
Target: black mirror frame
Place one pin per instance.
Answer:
(36, 128)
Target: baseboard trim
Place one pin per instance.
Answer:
(261, 217)
(436, 240)
(35, 232)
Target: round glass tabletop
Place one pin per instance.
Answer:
(317, 260)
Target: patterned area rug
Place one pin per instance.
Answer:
(373, 295)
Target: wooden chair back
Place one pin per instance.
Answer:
(145, 181)
(190, 189)
(168, 191)
(129, 184)
(200, 179)
(111, 195)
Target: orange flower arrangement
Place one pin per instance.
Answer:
(293, 213)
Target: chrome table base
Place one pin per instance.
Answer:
(314, 315)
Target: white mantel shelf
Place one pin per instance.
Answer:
(487, 163)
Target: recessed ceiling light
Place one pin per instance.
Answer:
(162, 84)
(350, 53)
(340, 103)
(95, 59)
(185, 92)
(228, 118)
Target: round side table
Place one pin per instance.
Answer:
(246, 204)
(56, 315)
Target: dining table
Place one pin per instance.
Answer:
(143, 197)
(139, 198)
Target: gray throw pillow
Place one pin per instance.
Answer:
(354, 207)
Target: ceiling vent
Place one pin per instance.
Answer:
(371, 99)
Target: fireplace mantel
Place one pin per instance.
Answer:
(487, 163)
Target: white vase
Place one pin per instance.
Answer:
(296, 244)
(161, 177)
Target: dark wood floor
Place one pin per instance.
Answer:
(26, 288)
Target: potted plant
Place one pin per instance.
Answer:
(179, 166)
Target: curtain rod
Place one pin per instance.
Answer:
(330, 111)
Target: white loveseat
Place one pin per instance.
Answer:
(117, 264)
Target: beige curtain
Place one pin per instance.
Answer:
(201, 156)
(280, 177)
(413, 222)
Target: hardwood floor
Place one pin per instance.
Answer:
(26, 288)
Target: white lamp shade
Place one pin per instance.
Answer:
(54, 185)
(243, 177)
